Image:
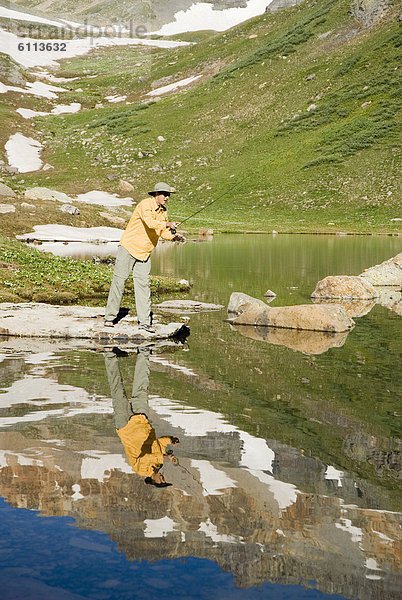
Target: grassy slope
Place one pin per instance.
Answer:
(246, 132)
(26, 274)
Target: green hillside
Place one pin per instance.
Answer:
(293, 125)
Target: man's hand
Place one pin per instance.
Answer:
(172, 224)
(174, 440)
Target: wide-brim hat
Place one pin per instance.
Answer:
(162, 187)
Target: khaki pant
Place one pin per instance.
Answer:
(125, 264)
(124, 408)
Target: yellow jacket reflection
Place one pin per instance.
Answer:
(144, 451)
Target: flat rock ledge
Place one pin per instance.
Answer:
(310, 317)
(40, 320)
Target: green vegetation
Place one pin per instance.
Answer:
(293, 125)
(27, 274)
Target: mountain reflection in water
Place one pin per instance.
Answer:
(287, 474)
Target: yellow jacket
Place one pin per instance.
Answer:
(146, 226)
(144, 452)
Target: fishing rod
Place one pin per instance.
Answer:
(216, 199)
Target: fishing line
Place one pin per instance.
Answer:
(216, 199)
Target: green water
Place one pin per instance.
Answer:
(289, 446)
(342, 405)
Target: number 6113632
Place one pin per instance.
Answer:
(42, 46)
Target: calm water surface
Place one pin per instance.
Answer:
(286, 485)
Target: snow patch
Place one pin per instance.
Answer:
(212, 480)
(284, 493)
(333, 474)
(74, 47)
(167, 363)
(114, 99)
(173, 86)
(17, 15)
(23, 153)
(100, 466)
(355, 532)
(157, 528)
(66, 233)
(211, 531)
(203, 16)
(103, 199)
(77, 492)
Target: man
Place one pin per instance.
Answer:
(145, 452)
(148, 223)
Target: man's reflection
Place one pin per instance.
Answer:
(145, 452)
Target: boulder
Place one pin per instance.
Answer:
(345, 287)
(69, 209)
(7, 191)
(205, 232)
(42, 193)
(312, 317)
(125, 186)
(239, 303)
(308, 342)
(388, 273)
(7, 208)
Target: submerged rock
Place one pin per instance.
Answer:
(344, 286)
(187, 306)
(313, 317)
(387, 273)
(41, 320)
(240, 303)
(308, 342)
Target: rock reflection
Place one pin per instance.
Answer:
(353, 308)
(308, 342)
(390, 298)
(145, 452)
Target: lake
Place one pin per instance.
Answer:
(286, 482)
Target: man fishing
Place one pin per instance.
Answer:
(148, 223)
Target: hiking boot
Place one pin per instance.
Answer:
(147, 328)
